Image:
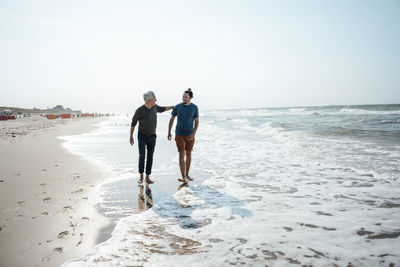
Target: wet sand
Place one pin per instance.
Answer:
(47, 215)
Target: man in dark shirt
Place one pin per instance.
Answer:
(185, 132)
(146, 115)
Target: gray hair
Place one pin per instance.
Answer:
(149, 95)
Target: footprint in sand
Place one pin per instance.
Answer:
(44, 170)
(62, 234)
(78, 191)
(59, 249)
(43, 184)
(47, 199)
(2, 227)
(73, 226)
(85, 218)
(21, 202)
(66, 209)
(80, 241)
(44, 213)
(52, 254)
(85, 198)
(1, 181)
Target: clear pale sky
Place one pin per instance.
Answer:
(100, 56)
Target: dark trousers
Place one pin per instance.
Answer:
(149, 143)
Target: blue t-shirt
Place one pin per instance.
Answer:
(186, 116)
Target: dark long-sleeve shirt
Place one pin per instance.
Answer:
(147, 119)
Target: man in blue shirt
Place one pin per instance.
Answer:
(185, 132)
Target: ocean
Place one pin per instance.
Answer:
(276, 186)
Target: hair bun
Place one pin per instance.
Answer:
(189, 91)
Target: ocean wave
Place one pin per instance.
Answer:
(297, 110)
(267, 129)
(357, 111)
(268, 112)
(304, 111)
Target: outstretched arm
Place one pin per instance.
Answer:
(171, 122)
(162, 109)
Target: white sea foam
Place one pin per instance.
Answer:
(274, 196)
(297, 110)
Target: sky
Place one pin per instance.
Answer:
(101, 56)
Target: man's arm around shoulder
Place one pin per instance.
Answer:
(162, 109)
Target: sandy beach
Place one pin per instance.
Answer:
(46, 193)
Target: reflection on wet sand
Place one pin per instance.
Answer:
(182, 186)
(171, 207)
(145, 198)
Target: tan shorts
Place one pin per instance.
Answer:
(183, 143)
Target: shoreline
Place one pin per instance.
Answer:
(132, 198)
(47, 194)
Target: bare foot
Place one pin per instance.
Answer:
(183, 180)
(149, 181)
(141, 178)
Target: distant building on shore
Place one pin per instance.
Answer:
(6, 114)
(58, 111)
